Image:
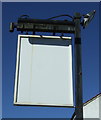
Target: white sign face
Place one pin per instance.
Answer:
(44, 71)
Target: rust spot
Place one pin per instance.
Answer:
(80, 73)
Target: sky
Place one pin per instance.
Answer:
(90, 54)
(1, 61)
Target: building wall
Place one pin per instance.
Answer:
(91, 110)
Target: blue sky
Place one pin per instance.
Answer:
(90, 54)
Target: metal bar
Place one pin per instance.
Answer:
(43, 25)
(78, 69)
(45, 28)
(45, 21)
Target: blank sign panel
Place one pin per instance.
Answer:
(44, 71)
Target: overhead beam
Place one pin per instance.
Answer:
(43, 25)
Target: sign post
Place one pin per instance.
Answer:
(62, 26)
(78, 68)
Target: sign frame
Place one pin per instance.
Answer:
(17, 73)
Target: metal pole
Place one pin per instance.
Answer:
(78, 69)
